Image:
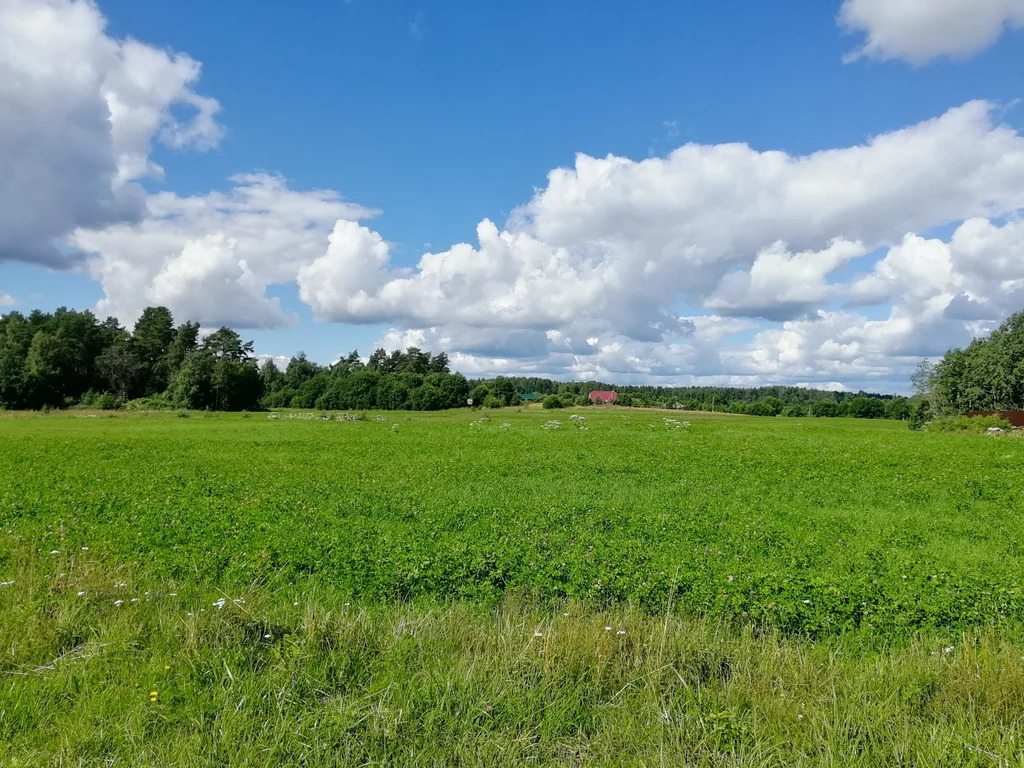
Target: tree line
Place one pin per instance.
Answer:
(68, 358)
(754, 401)
(987, 375)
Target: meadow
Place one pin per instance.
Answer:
(629, 588)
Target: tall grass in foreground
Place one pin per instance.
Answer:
(104, 665)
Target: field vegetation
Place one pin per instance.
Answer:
(601, 586)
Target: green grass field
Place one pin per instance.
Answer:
(739, 591)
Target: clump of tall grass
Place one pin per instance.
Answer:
(113, 665)
(967, 424)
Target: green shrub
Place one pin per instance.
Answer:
(108, 402)
(866, 408)
(553, 401)
(897, 408)
(966, 424)
(920, 414)
(825, 409)
(154, 403)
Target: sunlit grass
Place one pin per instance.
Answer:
(305, 676)
(240, 590)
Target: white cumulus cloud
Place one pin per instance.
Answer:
(781, 284)
(211, 257)
(79, 112)
(921, 30)
(977, 276)
(600, 273)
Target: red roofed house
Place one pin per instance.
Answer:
(603, 397)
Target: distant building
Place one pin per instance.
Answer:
(530, 396)
(603, 396)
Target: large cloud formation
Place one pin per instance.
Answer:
(717, 263)
(591, 274)
(79, 112)
(212, 257)
(921, 30)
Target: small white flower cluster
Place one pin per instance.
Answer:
(506, 425)
(220, 602)
(478, 422)
(579, 421)
(6, 583)
(577, 417)
(321, 417)
(294, 416)
(553, 424)
(675, 424)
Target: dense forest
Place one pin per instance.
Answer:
(71, 358)
(987, 375)
(68, 358)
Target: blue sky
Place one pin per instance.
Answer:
(438, 116)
